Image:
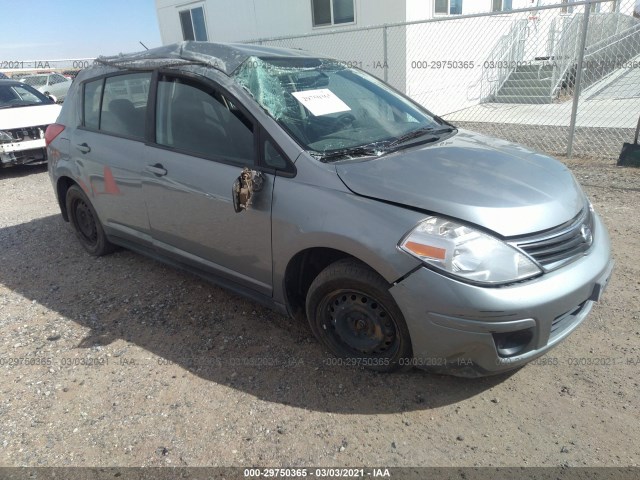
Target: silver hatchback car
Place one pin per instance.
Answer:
(323, 192)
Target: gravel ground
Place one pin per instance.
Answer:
(121, 361)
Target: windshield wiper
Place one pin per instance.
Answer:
(421, 132)
(364, 151)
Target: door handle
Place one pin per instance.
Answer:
(83, 147)
(157, 170)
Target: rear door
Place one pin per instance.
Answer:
(203, 141)
(109, 147)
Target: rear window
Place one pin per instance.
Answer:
(118, 104)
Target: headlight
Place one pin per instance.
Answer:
(5, 137)
(467, 253)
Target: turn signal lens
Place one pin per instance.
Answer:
(467, 253)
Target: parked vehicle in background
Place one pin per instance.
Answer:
(25, 114)
(323, 192)
(19, 75)
(50, 84)
(3, 76)
(70, 74)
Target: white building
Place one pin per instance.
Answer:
(416, 59)
(242, 20)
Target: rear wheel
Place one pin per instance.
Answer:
(352, 313)
(85, 223)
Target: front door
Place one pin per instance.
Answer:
(203, 141)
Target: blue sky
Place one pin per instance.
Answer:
(51, 30)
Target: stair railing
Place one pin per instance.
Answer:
(501, 62)
(564, 54)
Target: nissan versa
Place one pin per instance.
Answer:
(325, 193)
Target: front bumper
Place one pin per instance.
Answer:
(24, 152)
(466, 330)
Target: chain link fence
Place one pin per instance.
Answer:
(564, 79)
(51, 77)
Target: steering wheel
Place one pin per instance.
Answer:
(346, 120)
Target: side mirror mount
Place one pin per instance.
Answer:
(244, 187)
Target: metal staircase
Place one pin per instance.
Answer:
(612, 40)
(527, 84)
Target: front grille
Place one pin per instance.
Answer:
(561, 245)
(34, 155)
(27, 133)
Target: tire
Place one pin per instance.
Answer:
(352, 313)
(85, 223)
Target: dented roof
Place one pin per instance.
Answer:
(226, 57)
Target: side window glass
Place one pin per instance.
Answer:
(124, 105)
(23, 94)
(197, 120)
(272, 157)
(92, 95)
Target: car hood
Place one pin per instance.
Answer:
(28, 116)
(489, 182)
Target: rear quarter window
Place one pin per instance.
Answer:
(92, 96)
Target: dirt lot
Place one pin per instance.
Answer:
(123, 361)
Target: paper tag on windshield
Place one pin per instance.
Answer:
(321, 102)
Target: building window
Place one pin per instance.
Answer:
(448, 7)
(502, 5)
(332, 12)
(193, 25)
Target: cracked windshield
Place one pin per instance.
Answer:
(332, 110)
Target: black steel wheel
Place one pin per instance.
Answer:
(85, 223)
(352, 313)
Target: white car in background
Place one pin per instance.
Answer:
(52, 84)
(25, 114)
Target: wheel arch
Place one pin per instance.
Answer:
(304, 267)
(62, 187)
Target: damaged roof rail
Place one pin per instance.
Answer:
(224, 57)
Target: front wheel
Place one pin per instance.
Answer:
(85, 223)
(352, 313)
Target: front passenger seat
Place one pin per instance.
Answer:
(190, 130)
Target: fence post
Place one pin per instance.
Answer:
(385, 48)
(576, 88)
